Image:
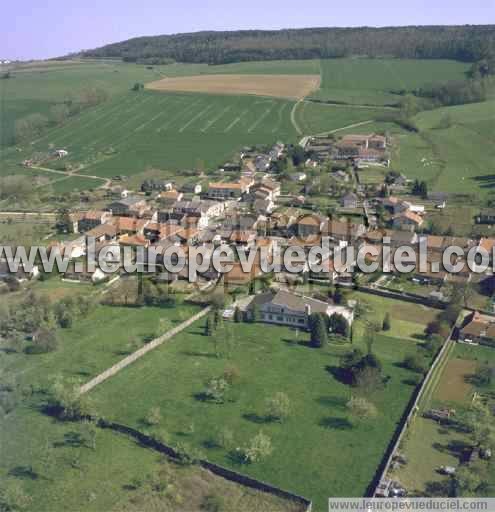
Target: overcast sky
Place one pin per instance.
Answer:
(49, 28)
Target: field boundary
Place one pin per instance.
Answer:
(227, 474)
(412, 410)
(116, 368)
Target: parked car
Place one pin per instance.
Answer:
(447, 470)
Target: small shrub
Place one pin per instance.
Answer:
(278, 407)
(213, 503)
(231, 374)
(153, 417)
(415, 363)
(258, 449)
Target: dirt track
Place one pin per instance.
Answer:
(280, 86)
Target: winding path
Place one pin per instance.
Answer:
(71, 174)
(293, 117)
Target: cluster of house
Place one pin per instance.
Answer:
(478, 329)
(404, 215)
(360, 149)
(253, 160)
(240, 214)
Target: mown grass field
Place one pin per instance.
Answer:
(316, 452)
(74, 473)
(374, 81)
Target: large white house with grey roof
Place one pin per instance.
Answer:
(286, 308)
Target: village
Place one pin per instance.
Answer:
(265, 198)
(275, 198)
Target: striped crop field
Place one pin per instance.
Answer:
(168, 131)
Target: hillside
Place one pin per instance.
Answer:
(465, 43)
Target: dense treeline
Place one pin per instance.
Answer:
(457, 92)
(464, 43)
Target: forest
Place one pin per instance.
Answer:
(467, 43)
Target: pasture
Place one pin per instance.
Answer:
(454, 150)
(167, 131)
(314, 118)
(377, 81)
(267, 359)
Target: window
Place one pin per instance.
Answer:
(280, 318)
(300, 321)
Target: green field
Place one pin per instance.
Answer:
(37, 87)
(457, 157)
(429, 445)
(270, 359)
(91, 345)
(167, 131)
(373, 81)
(314, 118)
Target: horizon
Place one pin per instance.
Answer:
(23, 34)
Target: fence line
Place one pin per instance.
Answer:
(110, 372)
(411, 411)
(218, 470)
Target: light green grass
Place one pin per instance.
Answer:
(166, 131)
(429, 445)
(36, 88)
(314, 118)
(90, 346)
(458, 159)
(373, 81)
(71, 183)
(319, 438)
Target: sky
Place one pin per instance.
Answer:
(34, 29)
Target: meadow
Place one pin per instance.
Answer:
(271, 359)
(377, 81)
(314, 118)
(454, 150)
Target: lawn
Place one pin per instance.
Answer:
(25, 232)
(53, 463)
(73, 183)
(269, 359)
(94, 343)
